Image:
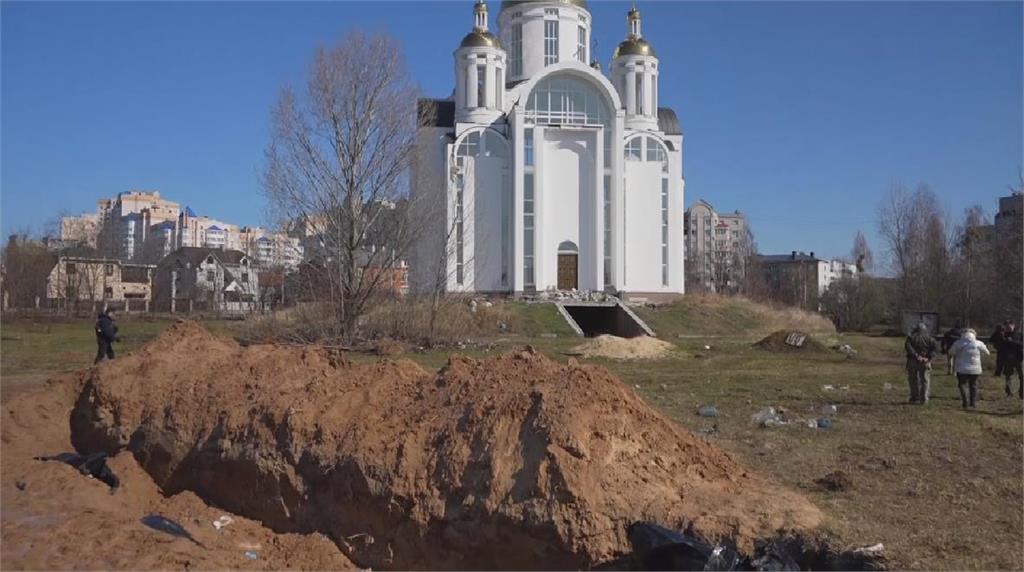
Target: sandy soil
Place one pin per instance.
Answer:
(515, 462)
(613, 347)
(512, 462)
(63, 520)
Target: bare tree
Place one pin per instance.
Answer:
(26, 264)
(862, 254)
(914, 228)
(338, 163)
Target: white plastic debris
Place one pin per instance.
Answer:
(828, 387)
(222, 522)
(873, 549)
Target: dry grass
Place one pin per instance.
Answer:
(711, 315)
(408, 320)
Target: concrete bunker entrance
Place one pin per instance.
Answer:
(593, 320)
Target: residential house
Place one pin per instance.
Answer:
(113, 283)
(207, 279)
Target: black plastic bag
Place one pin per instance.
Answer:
(94, 465)
(658, 548)
(773, 558)
(168, 526)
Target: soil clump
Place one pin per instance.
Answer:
(777, 342)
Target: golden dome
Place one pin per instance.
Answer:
(635, 47)
(480, 39)
(514, 3)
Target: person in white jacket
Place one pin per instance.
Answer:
(967, 353)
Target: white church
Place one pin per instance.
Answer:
(547, 173)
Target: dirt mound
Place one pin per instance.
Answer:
(790, 341)
(613, 347)
(514, 462)
(55, 518)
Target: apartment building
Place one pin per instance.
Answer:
(717, 248)
(121, 226)
(799, 278)
(143, 227)
(271, 249)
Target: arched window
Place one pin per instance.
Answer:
(566, 100)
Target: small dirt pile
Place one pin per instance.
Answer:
(614, 347)
(515, 462)
(790, 341)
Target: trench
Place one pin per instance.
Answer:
(290, 492)
(596, 319)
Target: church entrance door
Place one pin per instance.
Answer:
(568, 266)
(568, 271)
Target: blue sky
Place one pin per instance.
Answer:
(800, 114)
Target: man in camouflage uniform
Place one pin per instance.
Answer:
(921, 349)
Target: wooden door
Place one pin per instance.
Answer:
(568, 271)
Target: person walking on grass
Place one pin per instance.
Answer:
(921, 349)
(998, 339)
(106, 335)
(1014, 350)
(966, 352)
(948, 339)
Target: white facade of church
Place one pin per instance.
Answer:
(547, 173)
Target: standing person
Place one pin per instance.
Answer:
(967, 354)
(1014, 350)
(106, 335)
(920, 348)
(948, 339)
(997, 339)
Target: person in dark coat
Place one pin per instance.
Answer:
(921, 349)
(106, 335)
(996, 339)
(948, 339)
(1014, 350)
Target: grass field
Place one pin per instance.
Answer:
(940, 487)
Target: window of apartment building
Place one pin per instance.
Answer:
(551, 41)
(109, 269)
(245, 277)
(719, 232)
(210, 276)
(517, 47)
(108, 293)
(581, 45)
